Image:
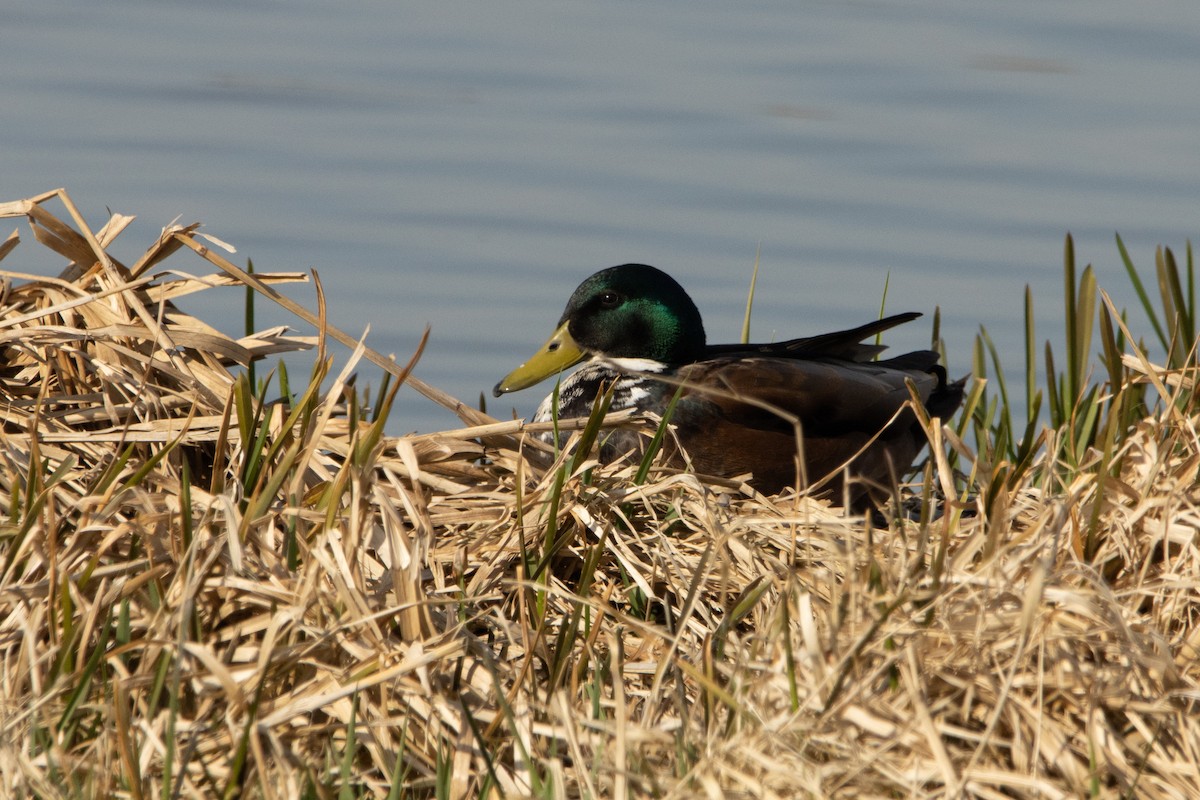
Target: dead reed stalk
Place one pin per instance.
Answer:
(205, 593)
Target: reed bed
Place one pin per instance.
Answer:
(213, 584)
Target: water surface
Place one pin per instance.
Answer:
(465, 165)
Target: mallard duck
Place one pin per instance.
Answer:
(740, 404)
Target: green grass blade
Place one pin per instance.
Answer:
(750, 297)
(1140, 289)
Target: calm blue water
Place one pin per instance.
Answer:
(465, 165)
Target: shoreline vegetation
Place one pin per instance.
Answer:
(221, 582)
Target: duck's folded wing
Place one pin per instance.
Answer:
(739, 415)
(846, 344)
(826, 398)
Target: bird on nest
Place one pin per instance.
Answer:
(742, 408)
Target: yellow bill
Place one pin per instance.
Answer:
(558, 353)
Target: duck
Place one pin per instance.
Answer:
(820, 413)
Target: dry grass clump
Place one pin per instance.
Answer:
(206, 593)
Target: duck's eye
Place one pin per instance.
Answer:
(610, 299)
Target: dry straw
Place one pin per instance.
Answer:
(205, 592)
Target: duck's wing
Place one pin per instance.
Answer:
(847, 345)
(825, 396)
(739, 415)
